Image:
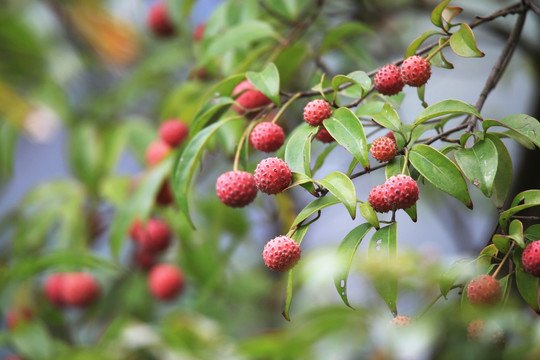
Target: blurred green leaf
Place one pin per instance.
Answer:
(463, 42)
(267, 81)
(479, 164)
(445, 107)
(388, 118)
(341, 187)
(8, 142)
(33, 341)
(338, 34)
(290, 61)
(210, 112)
(450, 276)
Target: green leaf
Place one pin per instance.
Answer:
(8, 142)
(479, 164)
(533, 232)
(369, 108)
(463, 42)
(445, 107)
(450, 276)
(298, 149)
(369, 214)
(313, 207)
(298, 179)
(381, 254)
(359, 78)
(515, 231)
(521, 124)
(338, 34)
(348, 131)
(33, 341)
(341, 187)
(209, 112)
(395, 166)
(522, 201)
(502, 243)
(437, 57)
(503, 176)
(441, 172)
(436, 14)
(388, 118)
(345, 254)
(267, 81)
(486, 255)
(528, 288)
(187, 165)
(238, 36)
(413, 47)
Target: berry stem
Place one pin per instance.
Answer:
(284, 107)
(439, 48)
(503, 260)
(247, 130)
(405, 162)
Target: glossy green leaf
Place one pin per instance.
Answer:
(298, 179)
(522, 201)
(463, 42)
(440, 171)
(388, 118)
(341, 32)
(522, 124)
(188, 164)
(503, 176)
(413, 47)
(341, 187)
(515, 231)
(313, 207)
(436, 14)
(533, 232)
(367, 109)
(479, 164)
(528, 288)
(298, 149)
(502, 243)
(267, 81)
(369, 214)
(445, 107)
(486, 255)
(345, 254)
(381, 253)
(348, 131)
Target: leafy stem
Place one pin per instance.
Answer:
(503, 260)
(438, 49)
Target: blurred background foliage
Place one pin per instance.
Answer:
(92, 71)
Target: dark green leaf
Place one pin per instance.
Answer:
(436, 14)
(479, 164)
(522, 201)
(528, 288)
(338, 34)
(388, 118)
(533, 232)
(463, 42)
(369, 214)
(522, 124)
(445, 107)
(345, 254)
(342, 187)
(413, 47)
(298, 149)
(315, 206)
(267, 81)
(502, 243)
(503, 177)
(440, 171)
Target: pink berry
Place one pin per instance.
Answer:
(324, 136)
(377, 199)
(79, 289)
(165, 281)
(484, 290)
(173, 132)
(388, 80)
(53, 289)
(156, 236)
(272, 175)
(236, 188)
(531, 258)
(415, 71)
(159, 21)
(316, 111)
(401, 321)
(383, 149)
(281, 253)
(267, 137)
(249, 99)
(156, 152)
(144, 259)
(401, 191)
(391, 135)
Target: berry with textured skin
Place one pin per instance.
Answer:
(165, 195)
(272, 175)
(156, 236)
(477, 331)
(157, 151)
(173, 132)
(388, 80)
(18, 316)
(236, 188)
(377, 199)
(324, 136)
(249, 99)
(484, 290)
(401, 191)
(401, 321)
(53, 289)
(159, 21)
(531, 258)
(391, 135)
(316, 111)
(415, 71)
(165, 281)
(198, 33)
(267, 137)
(79, 289)
(383, 149)
(281, 253)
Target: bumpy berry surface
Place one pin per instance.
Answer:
(272, 175)
(156, 236)
(415, 71)
(159, 21)
(531, 258)
(483, 290)
(316, 111)
(157, 151)
(388, 80)
(267, 137)
(250, 99)
(401, 191)
(281, 253)
(165, 281)
(401, 321)
(79, 289)
(377, 199)
(476, 331)
(236, 188)
(173, 132)
(383, 149)
(53, 289)
(324, 136)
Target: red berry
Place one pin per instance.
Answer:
(198, 33)
(79, 289)
(156, 236)
(316, 111)
(272, 175)
(391, 135)
(415, 71)
(484, 290)
(165, 281)
(477, 331)
(388, 80)
(158, 20)
(165, 195)
(173, 132)
(18, 316)
(281, 253)
(401, 321)
(377, 199)
(53, 289)
(157, 151)
(267, 137)
(250, 99)
(531, 258)
(401, 191)
(383, 149)
(324, 136)
(144, 259)
(236, 188)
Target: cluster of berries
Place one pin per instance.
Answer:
(315, 112)
(390, 79)
(398, 192)
(160, 23)
(76, 289)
